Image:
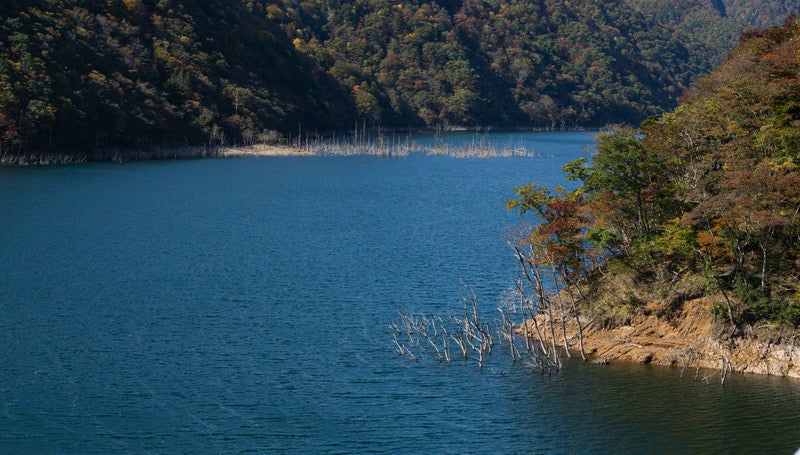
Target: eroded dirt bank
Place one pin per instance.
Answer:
(692, 339)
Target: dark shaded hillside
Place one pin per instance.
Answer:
(84, 75)
(91, 74)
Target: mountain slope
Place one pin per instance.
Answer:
(84, 75)
(94, 74)
(541, 63)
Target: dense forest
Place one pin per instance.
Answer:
(97, 74)
(83, 75)
(543, 63)
(703, 200)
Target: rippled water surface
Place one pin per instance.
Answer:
(243, 305)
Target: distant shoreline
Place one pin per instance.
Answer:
(371, 143)
(262, 150)
(156, 153)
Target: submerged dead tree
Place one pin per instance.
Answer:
(554, 257)
(467, 336)
(430, 335)
(559, 247)
(543, 301)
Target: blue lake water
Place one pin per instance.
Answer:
(243, 305)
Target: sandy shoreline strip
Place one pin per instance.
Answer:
(262, 150)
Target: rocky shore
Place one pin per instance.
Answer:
(692, 339)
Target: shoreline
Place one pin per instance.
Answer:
(320, 146)
(155, 153)
(690, 340)
(261, 150)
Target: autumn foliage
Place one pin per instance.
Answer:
(711, 189)
(78, 76)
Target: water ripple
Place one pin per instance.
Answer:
(236, 306)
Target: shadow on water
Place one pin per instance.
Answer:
(623, 408)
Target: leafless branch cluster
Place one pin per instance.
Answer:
(556, 305)
(545, 296)
(469, 337)
(691, 356)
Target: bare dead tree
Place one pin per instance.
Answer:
(562, 319)
(466, 333)
(576, 314)
(506, 329)
(570, 287)
(725, 369)
(532, 274)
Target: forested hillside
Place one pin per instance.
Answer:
(540, 63)
(92, 74)
(703, 200)
(99, 74)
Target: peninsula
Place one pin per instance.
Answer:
(680, 243)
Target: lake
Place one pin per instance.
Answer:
(243, 306)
